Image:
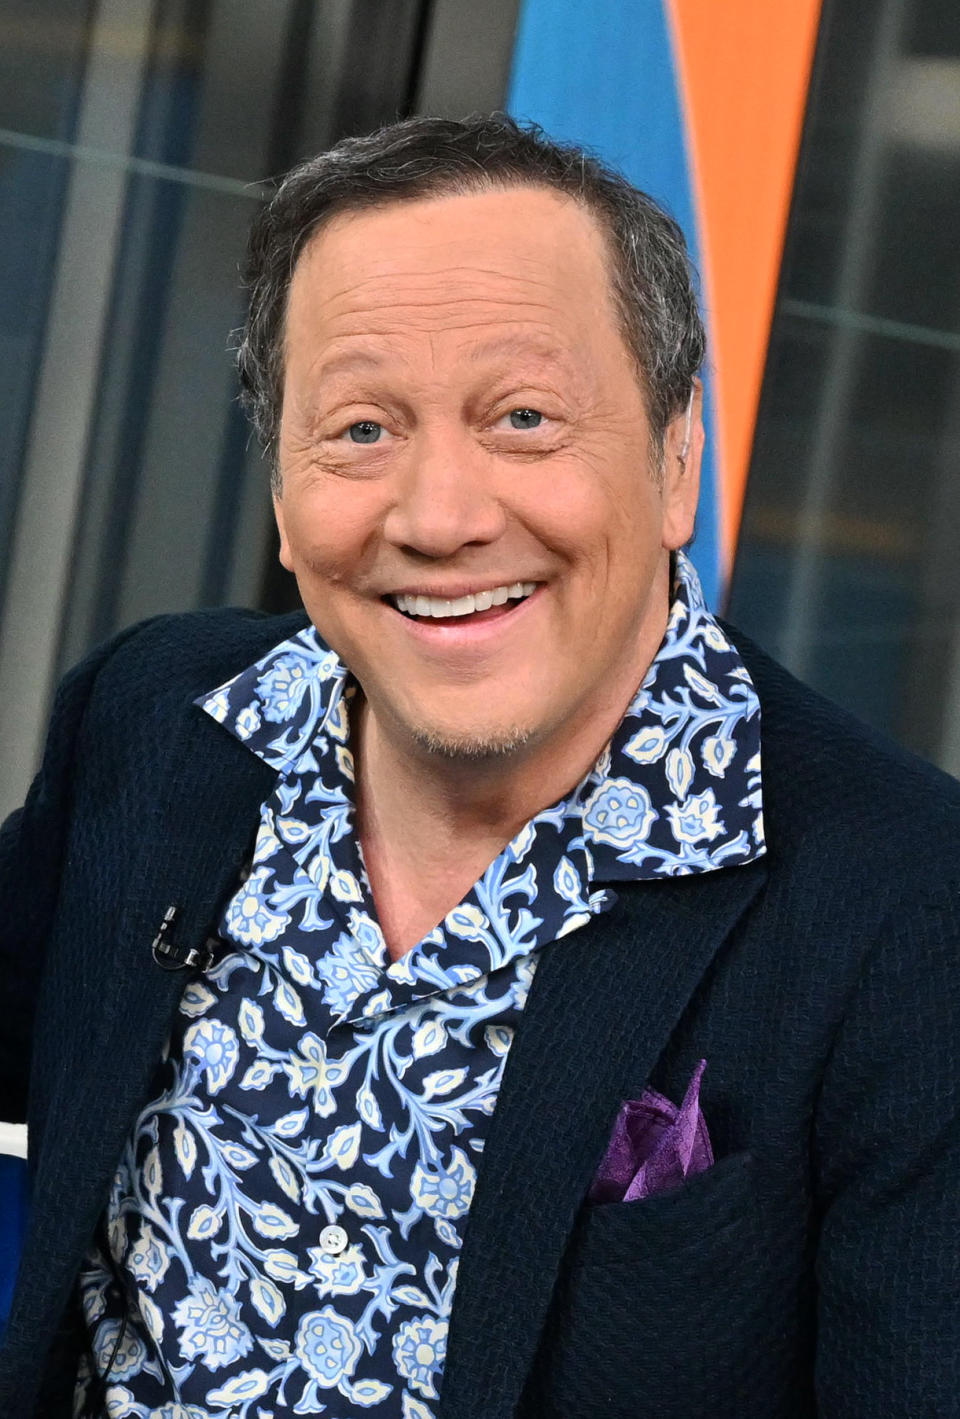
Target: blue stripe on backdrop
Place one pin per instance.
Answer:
(602, 73)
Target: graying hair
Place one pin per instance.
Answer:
(652, 278)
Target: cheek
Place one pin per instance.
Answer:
(605, 522)
(329, 527)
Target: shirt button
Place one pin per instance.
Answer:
(333, 1240)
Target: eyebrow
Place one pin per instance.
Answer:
(348, 361)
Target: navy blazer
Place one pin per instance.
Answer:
(812, 1271)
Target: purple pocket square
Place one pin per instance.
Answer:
(654, 1146)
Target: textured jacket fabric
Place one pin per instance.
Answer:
(812, 1271)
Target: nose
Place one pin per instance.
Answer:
(445, 498)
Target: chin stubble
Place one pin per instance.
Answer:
(472, 747)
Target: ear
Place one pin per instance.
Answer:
(682, 452)
(285, 559)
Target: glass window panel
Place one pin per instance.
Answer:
(246, 93)
(168, 468)
(847, 566)
(32, 188)
(42, 54)
(835, 573)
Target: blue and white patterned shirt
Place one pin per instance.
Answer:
(289, 1208)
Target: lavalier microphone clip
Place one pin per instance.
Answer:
(171, 957)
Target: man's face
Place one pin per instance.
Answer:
(462, 423)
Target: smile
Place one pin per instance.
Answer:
(440, 608)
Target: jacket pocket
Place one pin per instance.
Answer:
(667, 1306)
(695, 1216)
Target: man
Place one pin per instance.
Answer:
(424, 1024)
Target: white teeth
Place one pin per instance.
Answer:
(438, 606)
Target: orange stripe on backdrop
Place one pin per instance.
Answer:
(744, 69)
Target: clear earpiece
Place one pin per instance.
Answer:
(685, 446)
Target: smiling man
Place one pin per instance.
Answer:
(457, 493)
(417, 1018)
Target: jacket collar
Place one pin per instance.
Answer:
(594, 1027)
(179, 841)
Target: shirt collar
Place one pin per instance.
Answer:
(279, 705)
(677, 790)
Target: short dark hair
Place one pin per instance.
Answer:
(652, 278)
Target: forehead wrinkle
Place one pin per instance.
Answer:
(541, 346)
(363, 348)
(507, 330)
(342, 358)
(437, 285)
(429, 312)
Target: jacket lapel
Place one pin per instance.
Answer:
(181, 840)
(603, 1005)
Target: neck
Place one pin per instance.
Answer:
(426, 807)
(429, 830)
(429, 825)
(428, 799)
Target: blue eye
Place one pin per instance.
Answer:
(365, 431)
(525, 418)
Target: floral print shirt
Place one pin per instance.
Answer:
(286, 1218)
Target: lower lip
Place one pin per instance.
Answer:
(447, 633)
